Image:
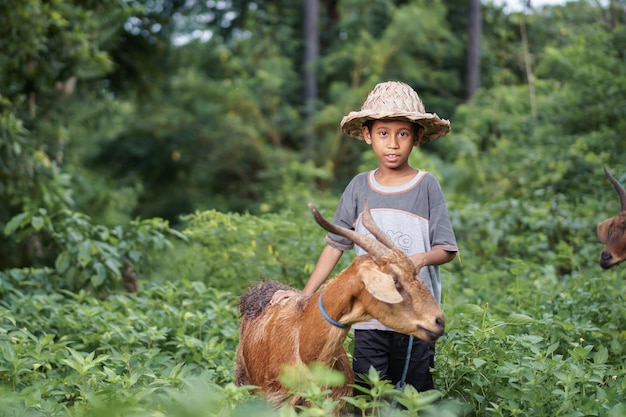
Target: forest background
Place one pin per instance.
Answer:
(156, 158)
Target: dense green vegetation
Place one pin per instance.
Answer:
(150, 173)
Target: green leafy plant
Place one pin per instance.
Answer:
(240, 249)
(90, 255)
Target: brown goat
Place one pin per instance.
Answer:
(301, 330)
(612, 231)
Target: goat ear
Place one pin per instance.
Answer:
(381, 286)
(602, 230)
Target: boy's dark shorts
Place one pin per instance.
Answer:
(386, 351)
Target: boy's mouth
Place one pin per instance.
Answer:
(392, 157)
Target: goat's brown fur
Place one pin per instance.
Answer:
(252, 303)
(273, 336)
(612, 231)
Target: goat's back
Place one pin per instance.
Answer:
(252, 303)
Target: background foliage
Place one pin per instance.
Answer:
(164, 145)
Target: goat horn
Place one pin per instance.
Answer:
(370, 224)
(371, 246)
(618, 187)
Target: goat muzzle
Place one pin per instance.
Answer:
(432, 333)
(608, 261)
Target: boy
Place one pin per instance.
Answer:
(405, 202)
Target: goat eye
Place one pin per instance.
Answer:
(399, 286)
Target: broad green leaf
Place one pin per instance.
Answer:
(552, 348)
(479, 362)
(84, 252)
(101, 275)
(37, 222)
(519, 319)
(15, 223)
(470, 308)
(113, 265)
(62, 262)
(601, 356)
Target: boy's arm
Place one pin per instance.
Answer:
(324, 266)
(436, 256)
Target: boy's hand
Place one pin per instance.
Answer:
(282, 295)
(436, 256)
(419, 261)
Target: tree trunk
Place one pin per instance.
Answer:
(474, 29)
(528, 66)
(311, 55)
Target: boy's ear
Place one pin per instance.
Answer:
(419, 135)
(367, 135)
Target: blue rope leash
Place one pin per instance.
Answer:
(327, 317)
(402, 383)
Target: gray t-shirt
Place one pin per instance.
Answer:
(414, 215)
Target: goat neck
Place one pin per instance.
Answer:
(321, 340)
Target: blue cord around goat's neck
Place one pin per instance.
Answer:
(327, 317)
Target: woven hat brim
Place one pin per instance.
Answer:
(434, 126)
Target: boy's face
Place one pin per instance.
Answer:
(392, 141)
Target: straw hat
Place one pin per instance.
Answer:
(395, 100)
